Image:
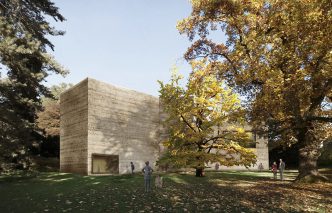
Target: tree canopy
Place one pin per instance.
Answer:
(279, 55)
(25, 63)
(49, 117)
(204, 121)
(48, 122)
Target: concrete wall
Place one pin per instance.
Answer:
(262, 152)
(122, 122)
(73, 129)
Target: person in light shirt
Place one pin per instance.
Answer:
(147, 171)
(281, 169)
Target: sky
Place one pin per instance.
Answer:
(127, 43)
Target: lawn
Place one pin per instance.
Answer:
(217, 192)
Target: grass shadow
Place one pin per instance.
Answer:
(216, 192)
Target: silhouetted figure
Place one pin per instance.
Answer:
(132, 166)
(216, 166)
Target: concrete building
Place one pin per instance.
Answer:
(103, 128)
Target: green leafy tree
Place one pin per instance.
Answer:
(204, 122)
(279, 55)
(25, 63)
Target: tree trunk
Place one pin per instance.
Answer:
(199, 172)
(308, 156)
(307, 162)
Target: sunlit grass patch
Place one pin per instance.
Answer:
(178, 180)
(57, 180)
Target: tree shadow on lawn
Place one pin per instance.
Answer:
(231, 191)
(217, 192)
(61, 192)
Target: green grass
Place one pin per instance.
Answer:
(217, 192)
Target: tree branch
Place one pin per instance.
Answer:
(318, 118)
(228, 59)
(188, 123)
(316, 101)
(211, 145)
(242, 43)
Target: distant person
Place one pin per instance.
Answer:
(274, 170)
(260, 167)
(281, 169)
(132, 166)
(216, 166)
(147, 171)
(159, 181)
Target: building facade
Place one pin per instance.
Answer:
(103, 128)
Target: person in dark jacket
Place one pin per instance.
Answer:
(132, 166)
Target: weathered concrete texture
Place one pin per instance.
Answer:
(98, 119)
(73, 129)
(122, 122)
(262, 152)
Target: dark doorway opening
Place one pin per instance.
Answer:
(105, 164)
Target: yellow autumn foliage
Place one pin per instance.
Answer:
(199, 117)
(278, 55)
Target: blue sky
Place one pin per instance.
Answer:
(128, 43)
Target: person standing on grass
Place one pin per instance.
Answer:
(281, 169)
(147, 171)
(216, 166)
(260, 167)
(274, 170)
(132, 166)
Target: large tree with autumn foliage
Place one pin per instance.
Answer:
(279, 55)
(204, 122)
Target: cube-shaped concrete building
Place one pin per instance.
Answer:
(103, 128)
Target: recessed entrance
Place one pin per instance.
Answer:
(105, 164)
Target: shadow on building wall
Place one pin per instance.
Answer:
(125, 123)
